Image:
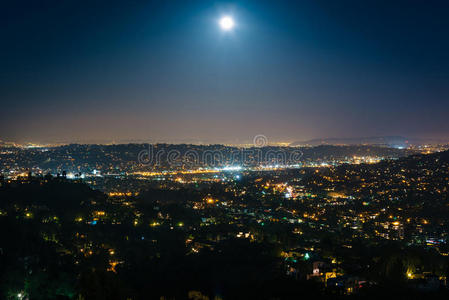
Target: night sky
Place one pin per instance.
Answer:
(91, 71)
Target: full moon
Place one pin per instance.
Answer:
(226, 23)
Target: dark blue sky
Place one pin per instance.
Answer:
(99, 71)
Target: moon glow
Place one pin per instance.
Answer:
(226, 23)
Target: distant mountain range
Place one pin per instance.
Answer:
(392, 141)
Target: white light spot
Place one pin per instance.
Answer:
(226, 23)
